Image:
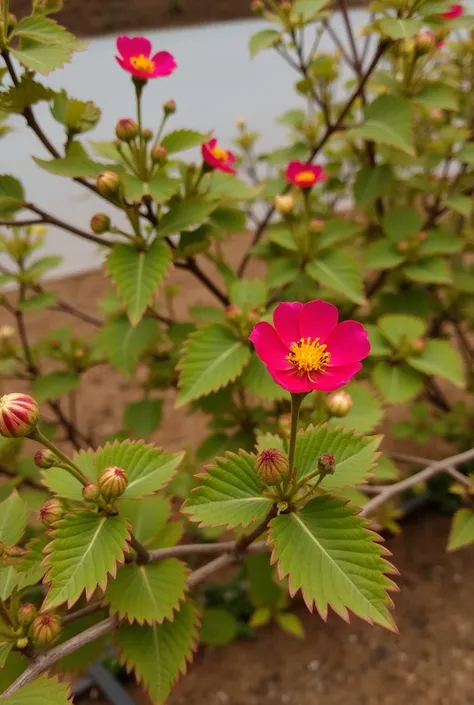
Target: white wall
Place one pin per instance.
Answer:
(215, 83)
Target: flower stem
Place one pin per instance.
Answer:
(36, 435)
(296, 401)
(141, 151)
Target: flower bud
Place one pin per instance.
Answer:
(90, 492)
(7, 336)
(169, 107)
(326, 464)
(407, 46)
(7, 333)
(22, 642)
(158, 154)
(272, 466)
(254, 315)
(422, 236)
(12, 21)
(52, 511)
(19, 415)
(425, 42)
(45, 629)
(257, 6)
(316, 225)
(284, 204)
(112, 483)
(418, 345)
(100, 223)
(126, 130)
(437, 115)
(241, 123)
(108, 183)
(403, 246)
(147, 135)
(233, 312)
(339, 403)
(285, 6)
(45, 459)
(26, 614)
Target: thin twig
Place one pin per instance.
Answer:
(83, 612)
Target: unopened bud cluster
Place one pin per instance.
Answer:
(112, 483)
(272, 466)
(19, 415)
(52, 511)
(339, 403)
(45, 629)
(45, 459)
(326, 464)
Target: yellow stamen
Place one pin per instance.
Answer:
(308, 355)
(142, 63)
(219, 154)
(305, 177)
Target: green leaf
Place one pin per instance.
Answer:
(184, 215)
(462, 530)
(54, 385)
(38, 302)
(355, 456)
(281, 235)
(74, 165)
(290, 623)
(41, 266)
(282, 272)
(12, 195)
(430, 271)
(45, 45)
(439, 243)
(386, 470)
(42, 691)
(439, 96)
(8, 582)
(161, 188)
(397, 328)
(339, 271)
(460, 204)
(143, 417)
(397, 383)
(85, 549)
(328, 553)
(27, 93)
(371, 183)
(270, 440)
(308, 9)
(159, 653)
(399, 29)
(230, 494)
(5, 649)
(124, 344)
(31, 570)
(148, 517)
(382, 254)
(219, 627)
(231, 220)
(138, 274)
(264, 39)
(258, 380)
(179, 140)
(14, 667)
(401, 223)
(147, 593)
(260, 617)
(366, 410)
(247, 293)
(439, 358)
(212, 358)
(387, 121)
(262, 587)
(228, 186)
(13, 518)
(77, 116)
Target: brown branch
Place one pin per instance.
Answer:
(49, 219)
(191, 266)
(83, 612)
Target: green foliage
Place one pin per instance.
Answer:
(230, 494)
(143, 417)
(212, 358)
(328, 553)
(54, 385)
(462, 530)
(137, 275)
(44, 44)
(124, 344)
(147, 593)
(218, 627)
(43, 691)
(84, 550)
(355, 456)
(179, 140)
(159, 653)
(338, 270)
(388, 122)
(13, 517)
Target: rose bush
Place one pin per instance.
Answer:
(362, 260)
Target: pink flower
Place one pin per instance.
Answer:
(307, 349)
(305, 175)
(454, 12)
(135, 58)
(218, 158)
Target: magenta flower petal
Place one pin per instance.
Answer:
(269, 347)
(133, 46)
(317, 320)
(348, 343)
(165, 64)
(336, 377)
(286, 320)
(291, 381)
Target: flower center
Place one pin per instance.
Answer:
(308, 355)
(305, 177)
(142, 63)
(219, 154)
